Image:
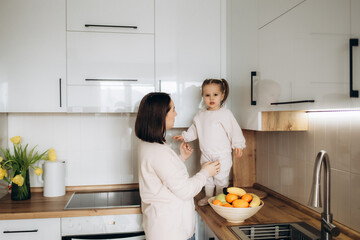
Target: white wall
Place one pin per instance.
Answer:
(3, 144)
(285, 161)
(98, 148)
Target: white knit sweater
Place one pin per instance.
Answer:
(167, 193)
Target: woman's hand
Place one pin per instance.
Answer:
(178, 138)
(238, 152)
(185, 151)
(213, 168)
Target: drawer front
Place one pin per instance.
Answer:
(30, 229)
(110, 59)
(112, 15)
(89, 99)
(101, 224)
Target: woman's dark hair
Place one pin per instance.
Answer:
(150, 125)
(223, 84)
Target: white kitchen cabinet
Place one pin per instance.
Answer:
(32, 56)
(203, 231)
(30, 229)
(189, 40)
(129, 16)
(110, 64)
(303, 54)
(270, 10)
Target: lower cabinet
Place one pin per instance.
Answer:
(30, 229)
(203, 231)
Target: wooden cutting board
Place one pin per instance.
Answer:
(244, 168)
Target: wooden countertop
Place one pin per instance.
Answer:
(39, 206)
(277, 209)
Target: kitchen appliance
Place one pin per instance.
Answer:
(115, 199)
(53, 178)
(279, 231)
(125, 226)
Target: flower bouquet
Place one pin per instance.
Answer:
(14, 167)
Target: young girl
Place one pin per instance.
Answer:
(218, 133)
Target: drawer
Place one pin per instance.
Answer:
(91, 99)
(30, 229)
(101, 224)
(111, 15)
(110, 59)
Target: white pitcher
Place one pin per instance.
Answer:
(53, 178)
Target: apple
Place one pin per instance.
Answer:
(222, 198)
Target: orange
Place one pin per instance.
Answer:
(240, 203)
(217, 202)
(230, 197)
(227, 205)
(247, 197)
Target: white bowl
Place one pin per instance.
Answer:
(235, 215)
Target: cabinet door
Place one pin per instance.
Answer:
(30, 229)
(355, 33)
(270, 10)
(110, 59)
(130, 16)
(33, 55)
(304, 55)
(187, 51)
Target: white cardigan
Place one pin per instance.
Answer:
(167, 193)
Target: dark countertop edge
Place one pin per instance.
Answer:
(343, 228)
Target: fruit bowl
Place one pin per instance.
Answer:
(235, 215)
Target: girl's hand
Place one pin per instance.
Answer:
(178, 138)
(213, 168)
(185, 151)
(238, 152)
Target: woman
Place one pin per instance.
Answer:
(166, 189)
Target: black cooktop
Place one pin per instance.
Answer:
(115, 199)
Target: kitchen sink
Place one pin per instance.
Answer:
(280, 231)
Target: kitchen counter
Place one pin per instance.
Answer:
(39, 206)
(277, 209)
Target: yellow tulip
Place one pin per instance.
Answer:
(1, 159)
(3, 173)
(38, 171)
(52, 154)
(18, 179)
(15, 140)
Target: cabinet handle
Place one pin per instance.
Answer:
(354, 42)
(159, 85)
(60, 92)
(114, 80)
(21, 231)
(252, 88)
(292, 102)
(112, 26)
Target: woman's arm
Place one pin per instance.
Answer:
(175, 177)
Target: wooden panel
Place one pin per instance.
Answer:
(284, 121)
(244, 168)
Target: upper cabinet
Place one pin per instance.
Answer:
(32, 56)
(110, 54)
(303, 58)
(126, 16)
(189, 47)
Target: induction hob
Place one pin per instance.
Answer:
(115, 199)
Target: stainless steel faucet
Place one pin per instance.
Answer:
(327, 228)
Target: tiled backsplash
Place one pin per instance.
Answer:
(285, 162)
(98, 148)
